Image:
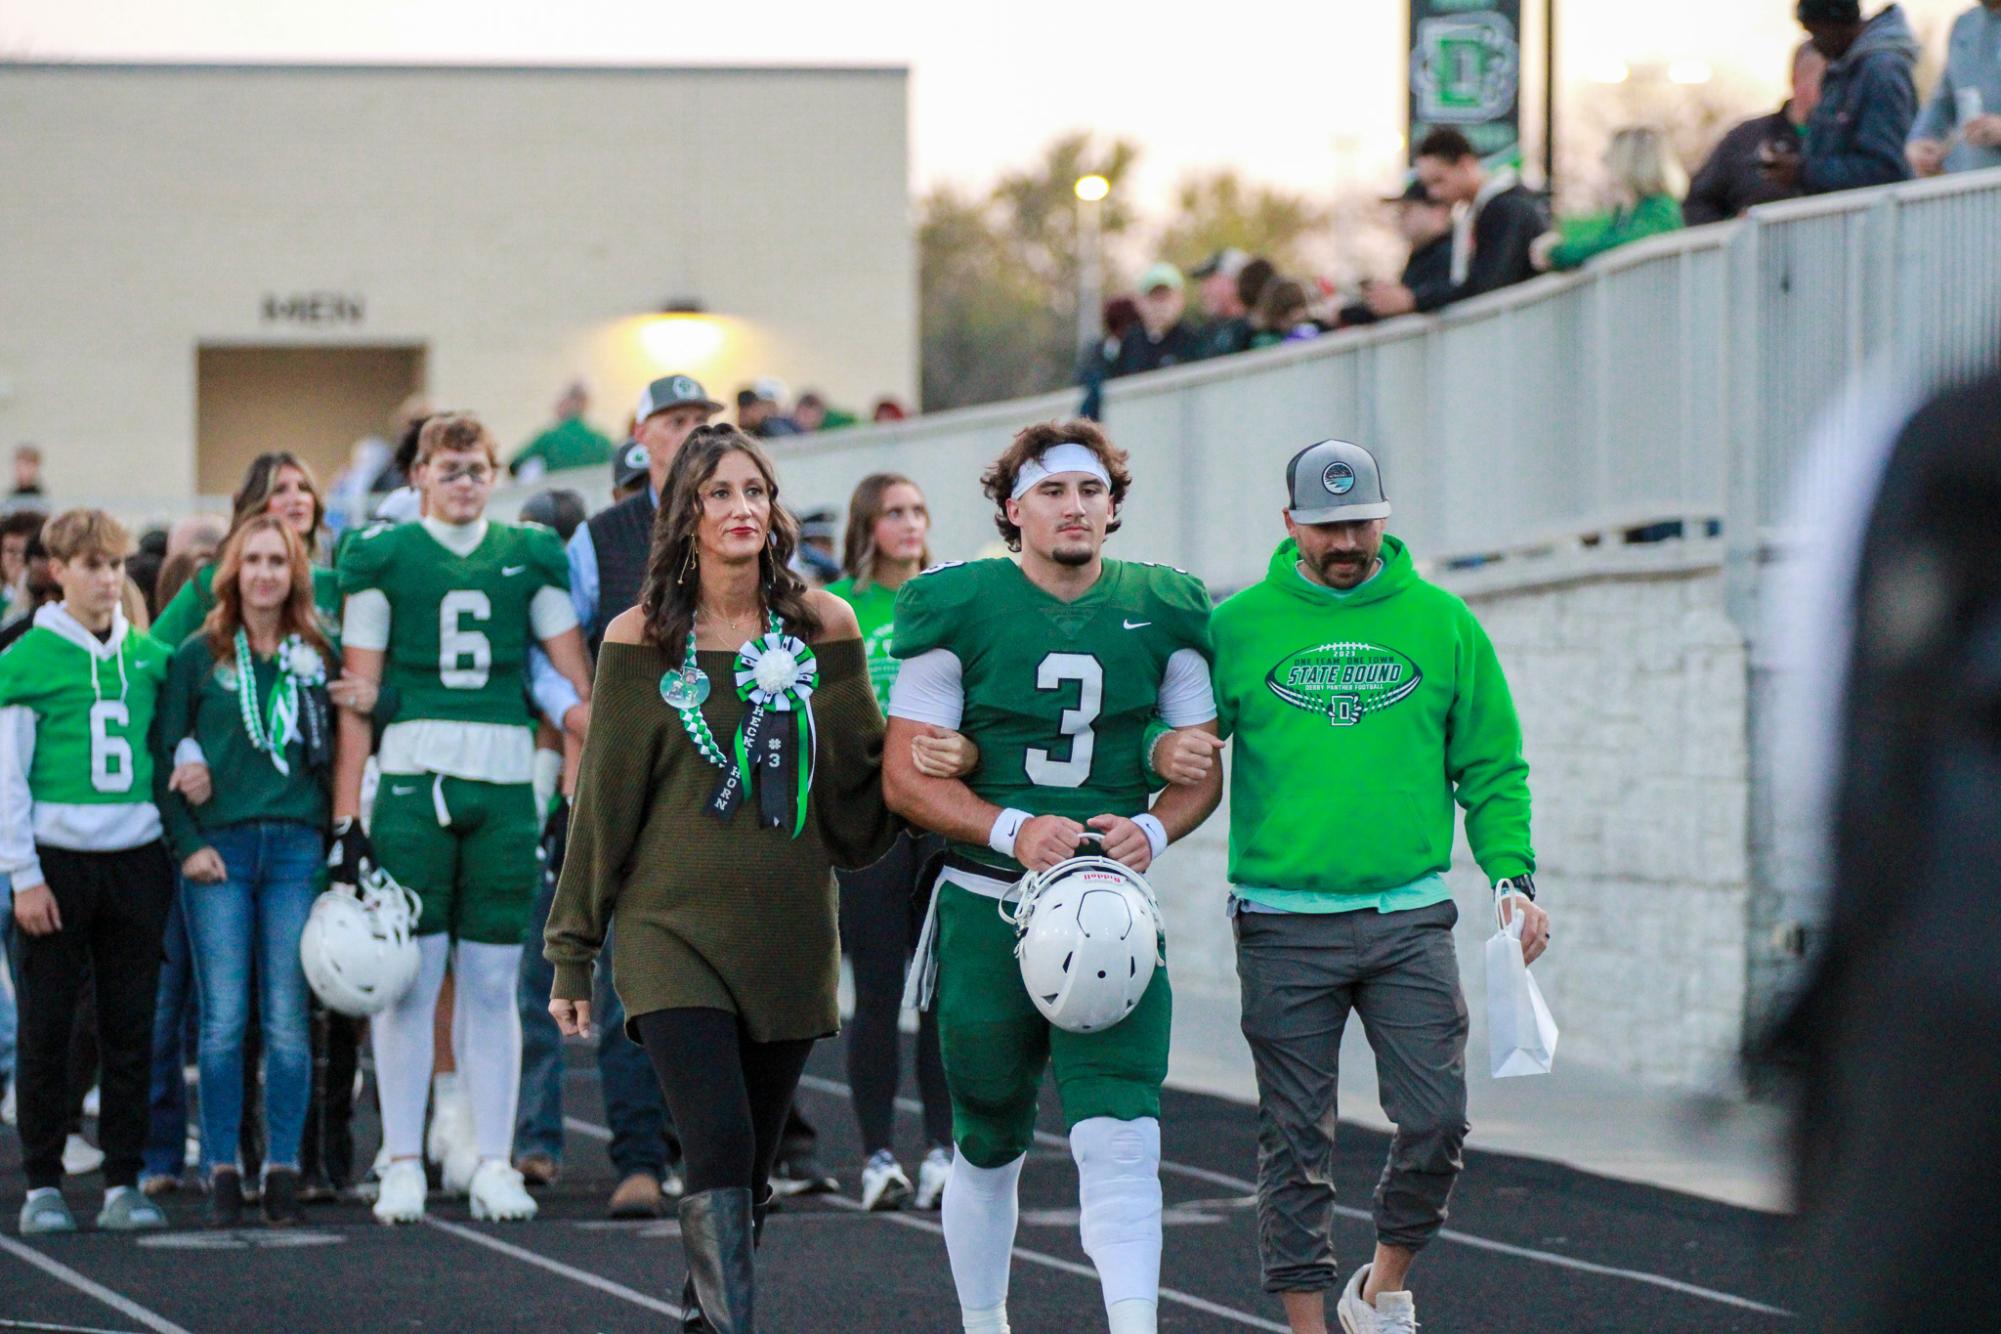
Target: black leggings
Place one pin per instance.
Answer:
(882, 911)
(727, 1095)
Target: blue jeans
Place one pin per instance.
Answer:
(255, 916)
(633, 1106)
(167, 1104)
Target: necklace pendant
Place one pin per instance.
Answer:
(687, 688)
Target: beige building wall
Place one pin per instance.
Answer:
(514, 227)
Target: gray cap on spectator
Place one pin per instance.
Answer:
(1335, 482)
(673, 391)
(629, 464)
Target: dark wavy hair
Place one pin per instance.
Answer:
(998, 480)
(864, 508)
(673, 566)
(260, 479)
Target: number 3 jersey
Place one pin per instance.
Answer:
(455, 610)
(1057, 695)
(76, 714)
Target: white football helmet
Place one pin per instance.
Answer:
(1087, 933)
(360, 950)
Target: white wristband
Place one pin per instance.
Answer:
(1006, 825)
(1156, 832)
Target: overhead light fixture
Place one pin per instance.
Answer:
(683, 305)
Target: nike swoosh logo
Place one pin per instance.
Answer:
(1135, 625)
(510, 571)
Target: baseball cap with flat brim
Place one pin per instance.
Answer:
(673, 391)
(1335, 482)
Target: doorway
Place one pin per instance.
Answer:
(313, 401)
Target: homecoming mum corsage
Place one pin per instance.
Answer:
(773, 752)
(300, 670)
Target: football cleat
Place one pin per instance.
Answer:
(884, 1186)
(1087, 933)
(498, 1195)
(400, 1196)
(932, 1174)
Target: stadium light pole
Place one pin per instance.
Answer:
(1091, 192)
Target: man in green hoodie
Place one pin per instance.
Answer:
(1364, 701)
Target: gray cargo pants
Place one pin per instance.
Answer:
(1301, 975)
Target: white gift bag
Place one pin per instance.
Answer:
(1521, 1036)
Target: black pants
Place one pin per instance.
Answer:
(726, 1094)
(882, 911)
(114, 915)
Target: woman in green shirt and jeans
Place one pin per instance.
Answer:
(247, 697)
(881, 909)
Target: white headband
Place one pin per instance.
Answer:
(1068, 456)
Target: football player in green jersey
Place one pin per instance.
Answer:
(1053, 668)
(80, 840)
(444, 609)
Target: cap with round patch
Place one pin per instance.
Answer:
(1335, 482)
(673, 391)
(630, 464)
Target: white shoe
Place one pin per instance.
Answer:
(498, 1194)
(932, 1174)
(370, 1184)
(93, 1102)
(400, 1197)
(461, 1165)
(884, 1186)
(81, 1157)
(451, 1123)
(1393, 1313)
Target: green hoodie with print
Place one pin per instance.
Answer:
(1360, 718)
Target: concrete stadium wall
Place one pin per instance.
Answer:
(1631, 682)
(519, 225)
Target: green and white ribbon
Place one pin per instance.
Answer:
(277, 726)
(776, 675)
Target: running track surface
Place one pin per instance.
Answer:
(1531, 1246)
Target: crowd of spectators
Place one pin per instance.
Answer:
(1852, 119)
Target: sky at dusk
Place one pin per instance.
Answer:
(1308, 96)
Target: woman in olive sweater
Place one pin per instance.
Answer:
(733, 761)
(247, 698)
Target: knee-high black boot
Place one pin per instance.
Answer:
(717, 1233)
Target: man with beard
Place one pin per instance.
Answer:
(1054, 668)
(1344, 663)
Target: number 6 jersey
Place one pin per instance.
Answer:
(75, 718)
(458, 626)
(1057, 695)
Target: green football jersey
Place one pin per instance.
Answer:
(93, 716)
(459, 625)
(1057, 694)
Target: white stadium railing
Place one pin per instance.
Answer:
(1674, 379)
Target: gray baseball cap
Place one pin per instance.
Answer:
(673, 391)
(1335, 482)
(630, 464)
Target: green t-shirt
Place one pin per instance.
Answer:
(201, 701)
(875, 609)
(93, 716)
(570, 443)
(459, 625)
(184, 615)
(1057, 694)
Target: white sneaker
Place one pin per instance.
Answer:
(400, 1197)
(932, 1174)
(499, 1195)
(1393, 1313)
(93, 1102)
(461, 1165)
(81, 1157)
(884, 1186)
(451, 1122)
